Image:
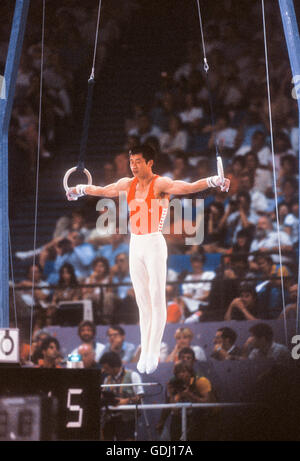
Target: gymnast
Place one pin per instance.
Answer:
(148, 199)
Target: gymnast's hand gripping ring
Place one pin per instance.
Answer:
(70, 171)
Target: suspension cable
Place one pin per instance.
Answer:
(206, 69)
(96, 42)
(37, 169)
(12, 276)
(274, 168)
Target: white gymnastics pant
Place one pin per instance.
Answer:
(148, 271)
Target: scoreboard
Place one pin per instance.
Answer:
(72, 411)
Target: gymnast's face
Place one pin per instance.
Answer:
(139, 166)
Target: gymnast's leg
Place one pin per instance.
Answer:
(140, 282)
(156, 263)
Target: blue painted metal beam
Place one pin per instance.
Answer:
(290, 26)
(6, 103)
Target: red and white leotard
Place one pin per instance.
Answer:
(147, 215)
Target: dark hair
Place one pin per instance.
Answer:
(112, 359)
(198, 258)
(70, 268)
(244, 194)
(47, 341)
(146, 150)
(65, 245)
(182, 366)
(240, 159)
(87, 323)
(248, 288)
(186, 350)
(118, 329)
(104, 261)
(262, 330)
(265, 256)
(288, 158)
(228, 333)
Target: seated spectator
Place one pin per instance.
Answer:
(116, 343)
(282, 148)
(288, 169)
(65, 224)
(183, 337)
(261, 149)
(82, 256)
(67, 290)
(269, 290)
(122, 166)
(238, 215)
(63, 227)
(111, 250)
(259, 203)
(88, 356)
(289, 191)
(120, 426)
(62, 255)
(174, 138)
(262, 176)
(102, 297)
(186, 386)
(283, 211)
(291, 223)
(180, 167)
(197, 291)
(214, 236)
(224, 345)
(126, 310)
(245, 306)
(261, 345)
(266, 241)
(223, 135)
(102, 234)
(237, 166)
(174, 306)
(161, 113)
(191, 112)
(145, 128)
(31, 354)
(50, 351)
(39, 299)
(255, 141)
(242, 245)
(290, 311)
(87, 334)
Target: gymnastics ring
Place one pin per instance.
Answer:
(70, 171)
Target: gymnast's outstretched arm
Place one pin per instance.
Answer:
(175, 187)
(111, 190)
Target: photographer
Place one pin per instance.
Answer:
(238, 215)
(119, 425)
(186, 386)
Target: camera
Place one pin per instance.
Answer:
(108, 398)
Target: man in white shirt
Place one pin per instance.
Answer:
(260, 345)
(198, 291)
(266, 239)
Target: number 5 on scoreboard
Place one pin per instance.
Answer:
(74, 408)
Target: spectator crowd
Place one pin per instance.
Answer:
(237, 273)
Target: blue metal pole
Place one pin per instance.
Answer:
(291, 32)
(6, 103)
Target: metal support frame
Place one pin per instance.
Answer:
(290, 27)
(6, 103)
